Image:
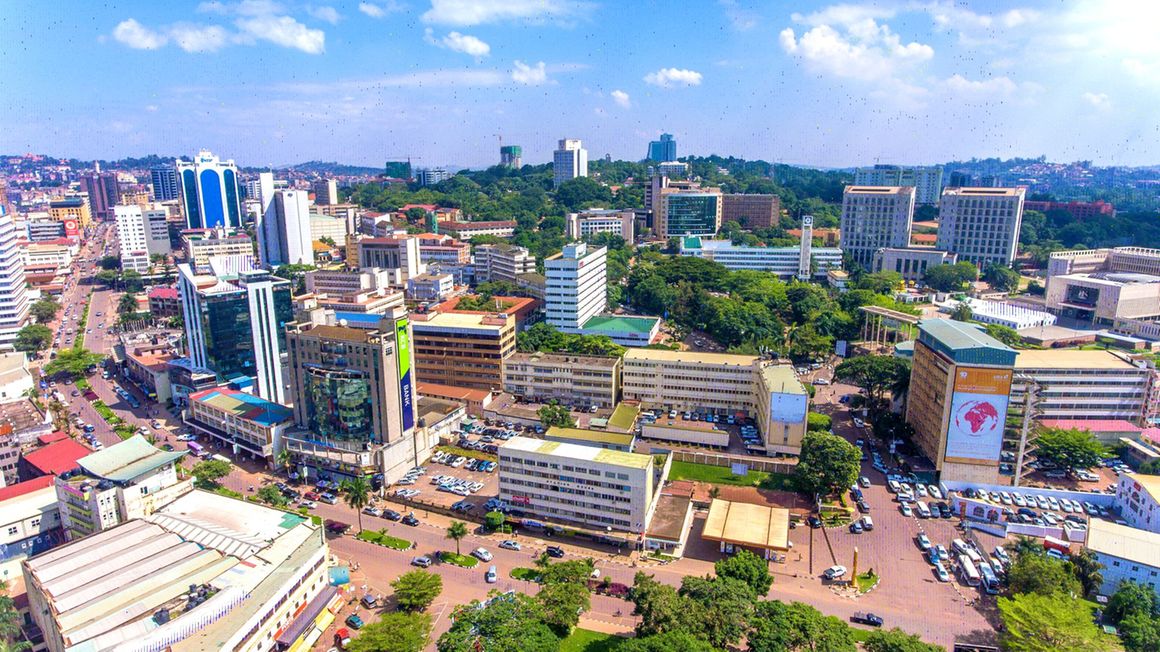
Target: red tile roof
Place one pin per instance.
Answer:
(51, 437)
(57, 457)
(163, 293)
(22, 488)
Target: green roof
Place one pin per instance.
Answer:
(619, 324)
(624, 416)
(692, 242)
(127, 460)
(594, 436)
(964, 343)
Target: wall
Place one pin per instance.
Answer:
(723, 459)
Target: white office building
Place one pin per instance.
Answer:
(981, 225)
(576, 286)
(13, 293)
(601, 220)
(141, 233)
(926, 180)
(783, 261)
(1003, 314)
(874, 217)
(572, 483)
(1127, 554)
(284, 232)
(570, 160)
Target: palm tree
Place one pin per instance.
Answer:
(10, 634)
(283, 459)
(457, 530)
(357, 493)
(1025, 544)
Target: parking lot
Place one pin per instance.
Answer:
(461, 477)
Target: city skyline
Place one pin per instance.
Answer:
(819, 84)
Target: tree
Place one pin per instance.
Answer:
(827, 463)
(950, 278)
(209, 472)
(511, 623)
(131, 281)
(10, 620)
(73, 362)
(819, 422)
(659, 606)
(674, 641)
(1151, 467)
(1001, 277)
(1131, 598)
(356, 493)
(896, 640)
(1025, 545)
(271, 495)
(111, 263)
(283, 459)
(494, 520)
(573, 571)
(880, 282)
(33, 338)
(562, 604)
(746, 567)
(108, 277)
(44, 310)
(554, 414)
(1069, 448)
(877, 374)
(721, 605)
(1005, 334)
(962, 312)
(127, 305)
(1040, 574)
(456, 531)
(1087, 570)
(417, 589)
(1049, 623)
(1140, 633)
(394, 631)
(781, 627)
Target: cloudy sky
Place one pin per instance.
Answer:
(273, 82)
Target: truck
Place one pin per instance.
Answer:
(1058, 545)
(866, 619)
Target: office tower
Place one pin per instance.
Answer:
(874, 217)
(354, 395)
(463, 349)
(233, 322)
(751, 211)
(662, 150)
(926, 180)
(502, 262)
(981, 225)
(284, 231)
(103, 193)
(73, 211)
(13, 295)
(400, 254)
(687, 212)
(325, 192)
(432, 176)
(511, 156)
(570, 160)
(576, 286)
(621, 222)
(210, 193)
(164, 181)
(131, 238)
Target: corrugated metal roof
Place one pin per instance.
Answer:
(1132, 544)
(127, 460)
(965, 343)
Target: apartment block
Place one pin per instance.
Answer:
(576, 288)
(874, 217)
(435, 248)
(981, 225)
(678, 212)
(577, 380)
(910, 262)
(202, 244)
(751, 211)
(462, 349)
(502, 262)
(600, 220)
(926, 181)
(400, 253)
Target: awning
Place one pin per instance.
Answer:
(305, 620)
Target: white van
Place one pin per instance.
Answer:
(922, 509)
(959, 546)
(867, 523)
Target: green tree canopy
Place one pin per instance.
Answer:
(1001, 277)
(793, 627)
(660, 607)
(543, 337)
(672, 641)
(44, 310)
(554, 414)
(1035, 622)
(1069, 448)
(950, 278)
(877, 374)
(209, 472)
(33, 338)
(562, 603)
(112, 263)
(896, 640)
(73, 362)
(1038, 573)
(1130, 598)
(819, 422)
(1087, 570)
(962, 312)
(723, 606)
(827, 463)
(508, 624)
(417, 589)
(748, 568)
(356, 493)
(271, 495)
(1005, 334)
(394, 631)
(456, 531)
(1140, 633)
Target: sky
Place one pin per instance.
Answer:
(444, 82)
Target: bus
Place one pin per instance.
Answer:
(968, 572)
(990, 580)
(196, 449)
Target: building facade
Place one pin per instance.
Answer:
(679, 213)
(210, 193)
(400, 254)
(202, 244)
(284, 230)
(751, 211)
(163, 180)
(141, 233)
(981, 225)
(463, 349)
(926, 181)
(1138, 501)
(1126, 554)
(245, 423)
(569, 161)
(104, 193)
(325, 192)
(577, 380)
(662, 150)
(874, 217)
(599, 220)
(576, 287)
(511, 156)
(910, 262)
(785, 262)
(14, 301)
(502, 262)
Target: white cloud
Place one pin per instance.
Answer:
(199, 38)
(137, 36)
(740, 18)
(1100, 101)
(457, 42)
(284, 31)
(621, 98)
(956, 84)
(466, 13)
(864, 49)
(673, 77)
(529, 75)
(325, 13)
(380, 9)
(244, 8)
(843, 14)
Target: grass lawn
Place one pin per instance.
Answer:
(866, 581)
(106, 413)
(383, 539)
(860, 635)
(586, 640)
(465, 561)
(714, 474)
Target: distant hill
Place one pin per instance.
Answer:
(324, 168)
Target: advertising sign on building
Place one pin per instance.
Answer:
(787, 408)
(403, 355)
(978, 413)
(71, 228)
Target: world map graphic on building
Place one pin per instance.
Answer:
(977, 418)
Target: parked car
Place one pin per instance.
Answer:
(490, 576)
(481, 554)
(354, 622)
(391, 515)
(510, 545)
(814, 522)
(866, 619)
(336, 527)
(856, 527)
(923, 541)
(555, 551)
(410, 520)
(422, 561)
(834, 572)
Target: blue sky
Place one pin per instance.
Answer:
(272, 82)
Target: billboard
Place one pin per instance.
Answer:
(403, 355)
(978, 413)
(787, 408)
(71, 228)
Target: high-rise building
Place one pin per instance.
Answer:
(502, 262)
(785, 262)
(926, 180)
(210, 192)
(103, 192)
(325, 192)
(511, 156)
(354, 397)
(463, 349)
(73, 211)
(874, 217)
(619, 222)
(284, 230)
(234, 319)
(432, 176)
(164, 181)
(132, 239)
(570, 160)
(662, 150)
(981, 225)
(751, 211)
(13, 294)
(203, 244)
(680, 212)
(400, 254)
(576, 286)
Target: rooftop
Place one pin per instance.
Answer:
(880, 190)
(465, 320)
(1139, 546)
(244, 406)
(668, 521)
(164, 293)
(781, 379)
(1093, 425)
(591, 436)
(986, 192)
(691, 357)
(604, 361)
(25, 488)
(578, 452)
(124, 461)
(624, 416)
(451, 392)
(344, 333)
(1070, 359)
(57, 457)
(745, 524)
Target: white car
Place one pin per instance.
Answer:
(934, 492)
(481, 554)
(834, 572)
(510, 545)
(941, 571)
(920, 489)
(905, 509)
(858, 423)
(923, 541)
